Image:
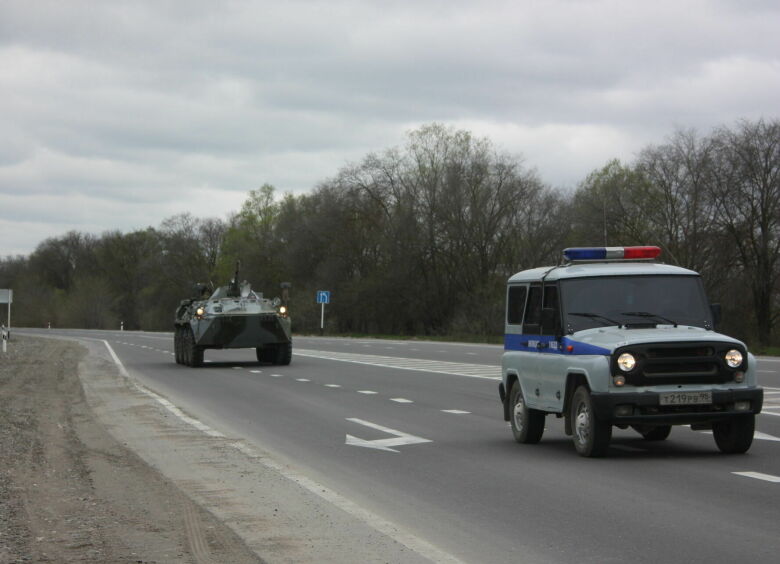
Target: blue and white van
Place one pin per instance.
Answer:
(611, 337)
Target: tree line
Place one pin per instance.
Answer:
(421, 238)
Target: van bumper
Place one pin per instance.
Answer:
(644, 407)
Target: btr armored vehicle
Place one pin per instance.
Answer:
(233, 317)
(610, 337)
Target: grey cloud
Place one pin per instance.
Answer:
(140, 103)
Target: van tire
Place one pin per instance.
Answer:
(735, 435)
(527, 424)
(591, 436)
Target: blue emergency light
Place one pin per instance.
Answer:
(610, 253)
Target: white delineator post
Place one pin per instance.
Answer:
(6, 297)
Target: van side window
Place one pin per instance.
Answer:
(516, 304)
(533, 313)
(551, 302)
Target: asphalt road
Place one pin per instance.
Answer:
(413, 432)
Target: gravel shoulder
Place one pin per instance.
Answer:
(70, 492)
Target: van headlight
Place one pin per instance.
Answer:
(626, 362)
(733, 358)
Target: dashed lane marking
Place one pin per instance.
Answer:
(483, 371)
(401, 400)
(456, 411)
(759, 476)
(332, 385)
(367, 392)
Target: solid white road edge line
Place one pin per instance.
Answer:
(759, 476)
(412, 542)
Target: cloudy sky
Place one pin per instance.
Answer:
(117, 115)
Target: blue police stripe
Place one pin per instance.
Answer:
(528, 343)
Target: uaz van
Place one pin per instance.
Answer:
(611, 337)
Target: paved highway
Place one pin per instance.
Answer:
(412, 431)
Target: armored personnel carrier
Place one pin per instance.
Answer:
(233, 317)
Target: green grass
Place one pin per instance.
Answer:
(766, 351)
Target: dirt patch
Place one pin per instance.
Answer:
(69, 492)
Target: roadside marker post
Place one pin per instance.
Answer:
(6, 297)
(323, 297)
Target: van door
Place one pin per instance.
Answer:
(517, 357)
(531, 343)
(551, 369)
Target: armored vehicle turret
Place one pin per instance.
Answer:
(233, 317)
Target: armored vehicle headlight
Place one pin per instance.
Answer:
(734, 358)
(626, 362)
(200, 311)
(282, 310)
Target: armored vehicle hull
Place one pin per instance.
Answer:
(233, 317)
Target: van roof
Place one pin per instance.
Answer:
(591, 269)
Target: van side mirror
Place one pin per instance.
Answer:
(551, 321)
(715, 309)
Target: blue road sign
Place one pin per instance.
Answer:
(323, 296)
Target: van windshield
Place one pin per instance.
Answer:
(633, 300)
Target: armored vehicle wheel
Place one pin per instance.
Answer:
(283, 353)
(263, 354)
(591, 436)
(193, 354)
(527, 424)
(735, 435)
(653, 433)
(177, 345)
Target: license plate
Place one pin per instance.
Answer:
(684, 398)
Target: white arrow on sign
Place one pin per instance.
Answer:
(400, 438)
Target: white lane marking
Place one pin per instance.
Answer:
(367, 392)
(332, 385)
(256, 371)
(759, 476)
(302, 380)
(770, 413)
(484, 371)
(161, 400)
(400, 438)
(411, 541)
(236, 368)
(401, 400)
(456, 411)
(277, 375)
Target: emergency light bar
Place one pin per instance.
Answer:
(610, 253)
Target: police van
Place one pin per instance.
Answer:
(612, 337)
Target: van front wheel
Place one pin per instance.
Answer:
(527, 424)
(591, 436)
(735, 435)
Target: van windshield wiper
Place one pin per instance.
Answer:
(648, 314)
(596, 316)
